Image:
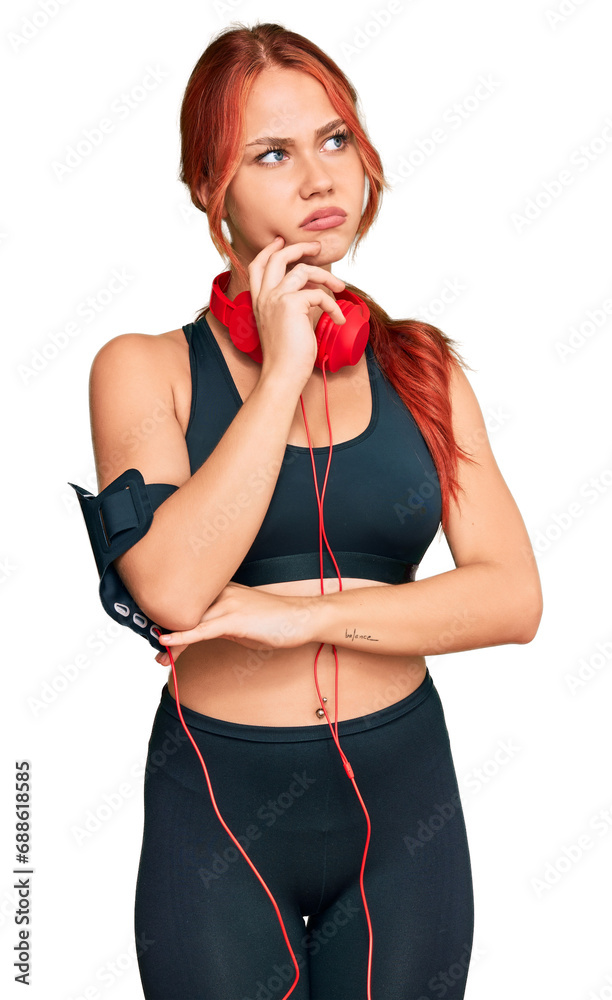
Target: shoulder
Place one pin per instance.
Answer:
(469, 428)
(134, 366)
(136, 411)
(159, 359)
(144, 347)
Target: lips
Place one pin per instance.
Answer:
(324, 213)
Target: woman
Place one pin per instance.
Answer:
(232, 564)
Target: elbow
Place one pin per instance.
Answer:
(519, 593)
(178, 612)
(166, 609)
(530, 617)
(175, 616)
(159, 595)
(171, 622)
(163, 594)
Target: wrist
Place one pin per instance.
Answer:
(314, 612)
(283, 383)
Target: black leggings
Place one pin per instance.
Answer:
(205, 926)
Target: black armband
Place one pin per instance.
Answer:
(116, 519)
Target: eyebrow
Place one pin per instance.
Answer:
(269, 140)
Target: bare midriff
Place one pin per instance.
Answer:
(276, 686)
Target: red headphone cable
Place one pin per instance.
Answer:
(345, 761)
(226, 827)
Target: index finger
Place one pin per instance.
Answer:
(261, 259)
(259, 270)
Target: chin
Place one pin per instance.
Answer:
(334, 244)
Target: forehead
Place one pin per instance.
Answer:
(285, 102)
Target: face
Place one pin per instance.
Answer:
(272, 193)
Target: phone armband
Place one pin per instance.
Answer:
(116, 519)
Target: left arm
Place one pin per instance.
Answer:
(492, 597)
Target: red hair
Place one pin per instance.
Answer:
(416, 357)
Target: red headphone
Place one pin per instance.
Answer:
(339, 344)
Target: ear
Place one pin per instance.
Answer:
(203, 192)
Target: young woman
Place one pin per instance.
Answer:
(234, 560)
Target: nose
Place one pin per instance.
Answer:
(315, 176)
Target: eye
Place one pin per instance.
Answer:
(340, 134)
(271, 149)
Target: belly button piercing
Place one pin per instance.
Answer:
(320, 712)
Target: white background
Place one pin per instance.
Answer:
(543, 923)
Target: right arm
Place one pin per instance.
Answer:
(175, 571)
